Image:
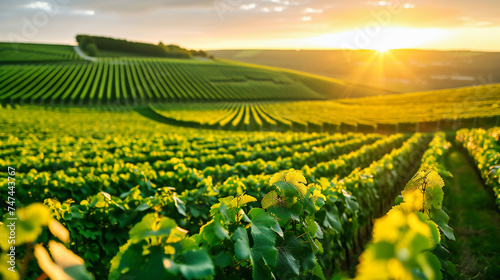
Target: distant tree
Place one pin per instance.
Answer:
(92, 44)
(92, 50)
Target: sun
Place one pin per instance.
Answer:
(382, 50)
(400, 37)
(381, 40)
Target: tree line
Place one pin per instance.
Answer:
(93, 44)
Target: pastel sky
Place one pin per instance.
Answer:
(263, 24)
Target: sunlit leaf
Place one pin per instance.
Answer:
(59, 231)
(277, 177)
(66, 264)
(270, 199)
(5, 265)
(151, 226)
(242, 200)
(29, 224)
(297, 179)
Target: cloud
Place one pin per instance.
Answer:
(223, 21)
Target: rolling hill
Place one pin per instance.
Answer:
(404, 70)
(56, 74)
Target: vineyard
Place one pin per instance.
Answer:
(109, 176)
(12, 53)
(161, 168)
(60, 77)
(423, 111)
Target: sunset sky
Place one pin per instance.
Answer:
(263, 24)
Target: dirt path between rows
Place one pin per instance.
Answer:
(475, 219)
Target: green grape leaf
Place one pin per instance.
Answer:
(223, 259)
(263, 227)
(262, 258)
(431, 266)
(125, 260)
(225, 213)
(287, 190)
(220, 231)
(312, 226)
(214, 231)
(288, 265)
(179, 204)
(151, 226)
(196, 264)
(294, 178)
(295, 211)
(441, 219)
(152, 265)
(351, 203)
(242, 244)
(263, 254)
(319, 233)
(332, 219)
(308, 260)
(282, 213)
(310, 202)
(318, 272)
(398, 200)
(142, 207)
(215, 208)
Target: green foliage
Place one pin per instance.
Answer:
(406, 243)
(403, 239)
(483, 146)
(91, 49)
(30, 224)
(122, 193)
(111, 44)
(24, 52)
(262, 242)
(165, 251)
(409, 112)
